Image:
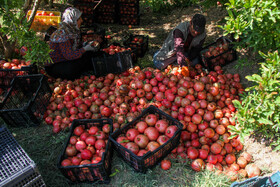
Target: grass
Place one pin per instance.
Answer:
(44, 148)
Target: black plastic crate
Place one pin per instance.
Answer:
(17, 168)
(134, 55)
(7, 75)
(129, 8)
(94, 32)
(87, 8)
(142, 46)
(94, 29)
(150, 159)
(98, 173)
(106, 17)
(26, 101)
(129, 1)
(220, 59)
(129, 19)
(117, 63)
(88, 20)
(49, 32)
(108, 6)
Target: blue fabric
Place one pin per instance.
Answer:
(157, 63)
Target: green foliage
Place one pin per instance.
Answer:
(255, 23)
(260, 107)
(211, 3)
(16, 28)
(166, 5)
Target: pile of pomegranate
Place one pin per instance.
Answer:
(201, 102)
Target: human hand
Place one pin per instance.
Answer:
(92, 46)
(187, 61)
(85, 43)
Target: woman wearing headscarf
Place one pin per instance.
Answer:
(70, 59)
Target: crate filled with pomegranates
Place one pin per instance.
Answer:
(95, 32)
(113, 59)
(87, 153)
(147, 139)
(15, 67)
(218, 53)
(140, 42)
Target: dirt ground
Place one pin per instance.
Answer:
(157, 26)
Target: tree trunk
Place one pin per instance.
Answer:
(9, 47)
(51, 3)
(33, 12)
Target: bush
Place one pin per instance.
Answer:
(254, 24)
(15, 32)
(260, 107)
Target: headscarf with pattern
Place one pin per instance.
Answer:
(68, 28)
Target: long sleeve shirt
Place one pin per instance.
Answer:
(63, 51)
(181, 47)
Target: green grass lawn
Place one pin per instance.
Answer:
(44, 147)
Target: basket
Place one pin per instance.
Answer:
(141, 47)
(219, 59)
(43, 22)
(17, 168)
(117, 63)
(269, 181)
(98, 173)
(150, 159)
(26, 101)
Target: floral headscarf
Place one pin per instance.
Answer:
(68, 28)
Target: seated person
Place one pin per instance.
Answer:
(69, 58)
(183, 44)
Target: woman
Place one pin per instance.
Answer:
(70, 59)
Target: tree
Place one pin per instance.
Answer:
(15, 30)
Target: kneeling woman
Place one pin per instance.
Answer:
(70, 59)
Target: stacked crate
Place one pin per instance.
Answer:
(129, 12)
(87, 7)
(16, 167)
(106, 12)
